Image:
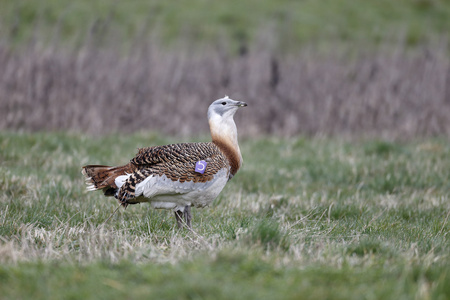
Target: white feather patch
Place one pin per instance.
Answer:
(120, 180)
(162, 192)
(91, 187)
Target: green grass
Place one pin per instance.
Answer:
(290, 23)
(303, 219)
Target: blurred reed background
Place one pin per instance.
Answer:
(345, 68)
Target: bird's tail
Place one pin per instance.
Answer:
(102, 177)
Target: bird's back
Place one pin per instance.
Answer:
(168, 174)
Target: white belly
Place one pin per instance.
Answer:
(162, 192)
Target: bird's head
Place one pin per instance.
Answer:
(224, 108)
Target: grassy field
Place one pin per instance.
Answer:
(290, 23)
(303, 219)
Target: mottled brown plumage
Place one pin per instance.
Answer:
(176, 161)
(101, 177)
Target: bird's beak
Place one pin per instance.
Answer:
(241, 104)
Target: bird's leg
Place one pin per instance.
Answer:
(179, 217)
(187, 215)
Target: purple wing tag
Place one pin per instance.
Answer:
(200, 166)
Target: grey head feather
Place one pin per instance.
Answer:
(224, 107)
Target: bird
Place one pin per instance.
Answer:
(177, 176)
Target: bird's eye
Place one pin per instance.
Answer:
(224, 103)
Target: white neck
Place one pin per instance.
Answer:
(224, 131)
